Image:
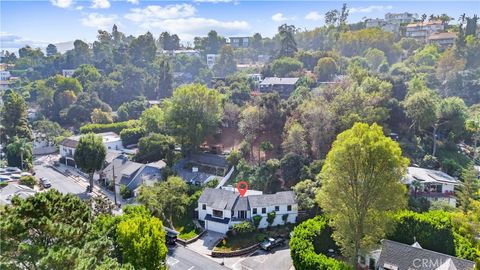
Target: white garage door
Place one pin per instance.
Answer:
(216, 226)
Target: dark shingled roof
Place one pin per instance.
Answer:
(219, 220)
(209, 160)
(242, 204)
(218, 198)
(406, 257)
(68, 142)
(279, 198)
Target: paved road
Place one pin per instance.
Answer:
(278, 259)
(181, 258)
(61, 182)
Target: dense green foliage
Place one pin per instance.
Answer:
(90, 154)
(361, 185)
(310, 242)
(113, 127)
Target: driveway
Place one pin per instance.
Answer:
(206, 243)
(181, 258)
(278, 259)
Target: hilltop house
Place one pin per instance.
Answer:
(431, 184)
(67, 147)
(284, 86)
(442, 39)
(398, 256)
(239, 42)
(421, 30)
(220, 209)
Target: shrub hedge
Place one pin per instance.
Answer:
(309, 240)
(131, 135)
(113, 127)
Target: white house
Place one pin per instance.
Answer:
(431, 184)
(421, 30)
(68, 72)
(211, 60)
(67, 147)
(220, 209)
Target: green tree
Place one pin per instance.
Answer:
(19, 153)
(142, 50)
(284, 66)
(305, 192)
(226, 64)
(375, 58)
(131, 109)
(153, 120)
(213, 42)
(167, 199)
(156, 147)
(86, 74)
(169, 42)
(450, 116)
(51, 224)
(90, 154)
(52, 131)
(271, 217)
(193, 112)
(51, 50)
(288, 45)
(251, 123)
(266, 175)
(265, 147)
(326, 68)
(469, 189)
(421, 108)
(291, 166)
(141, 240)
(360, 184)
(163, 79)
(473, 126)
(14, 117)
(100, 117)
(295, 140)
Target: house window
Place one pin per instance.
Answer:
(254, 211)
(264, 210)
(289, 208)
(204, 207)
(217, 213)
(277, 208)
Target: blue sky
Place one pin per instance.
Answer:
(41, 22)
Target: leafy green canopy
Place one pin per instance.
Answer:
(309, 243)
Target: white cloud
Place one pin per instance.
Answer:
(279, 17)
(313, 16)
(100, 4)
(13, 42)
(369, 9)
(135, 2)
(212, 1)
(62, 3)
(154, 13)
(99, 21)
(79, 7)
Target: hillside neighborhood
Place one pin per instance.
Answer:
(348, 144)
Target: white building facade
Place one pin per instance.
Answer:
(220, 209)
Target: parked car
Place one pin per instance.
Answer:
(171, 237)
(271, 243)
(45, 182)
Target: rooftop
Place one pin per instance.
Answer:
(427, 23)
(106, 137)
(276, 80)
(8, 192)
(404, 257)
(428, 176)
(445, 35)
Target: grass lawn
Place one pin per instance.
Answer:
(185, 226)
(240, 241)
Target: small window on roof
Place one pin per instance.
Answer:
(204, 207)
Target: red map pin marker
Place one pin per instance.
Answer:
(241, 190)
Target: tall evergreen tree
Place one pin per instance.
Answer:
(14, 117)
(288, 45)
